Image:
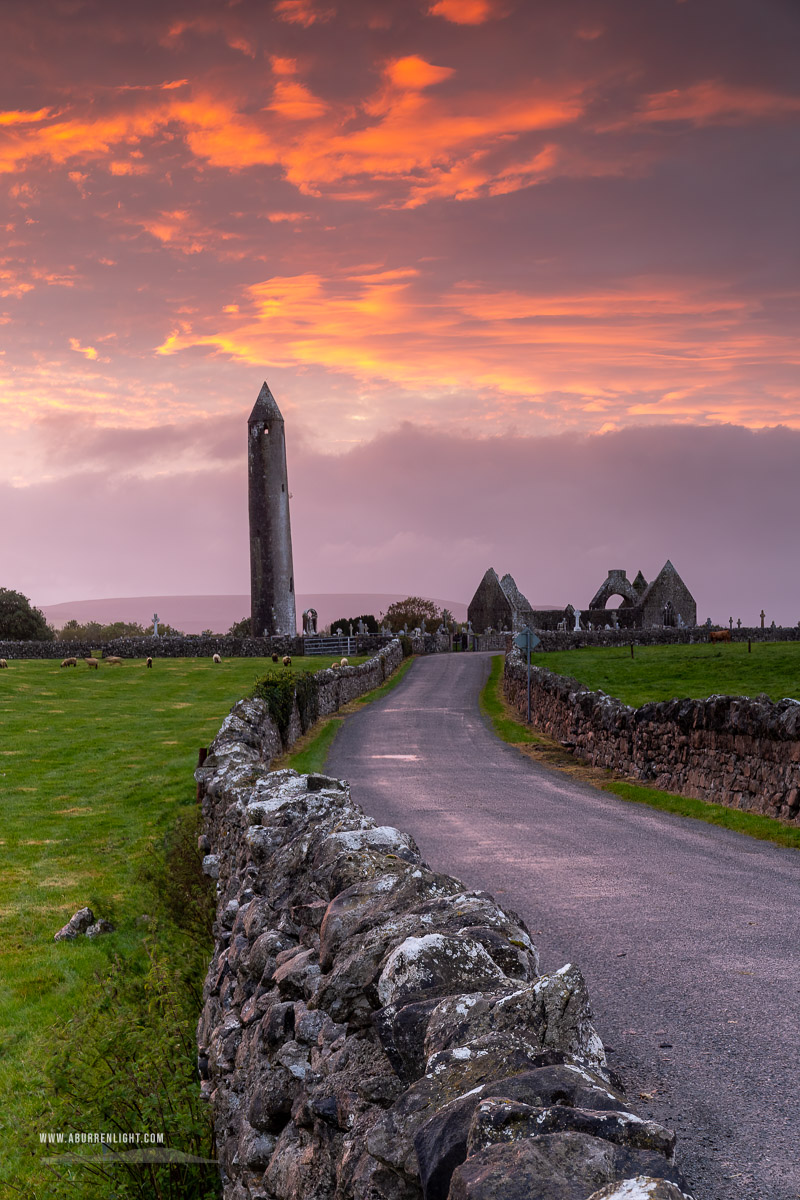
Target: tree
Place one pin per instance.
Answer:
(20, 621)
(411, 612)
(240, 628)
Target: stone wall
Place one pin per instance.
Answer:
(733, 750)
(662, 636)
(185, 646)
(371, 1030)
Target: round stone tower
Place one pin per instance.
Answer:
(271, 571)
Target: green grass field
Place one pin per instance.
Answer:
(95, 769)
(677, 672)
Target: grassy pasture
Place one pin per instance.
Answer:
(678, 672)
(95, 768)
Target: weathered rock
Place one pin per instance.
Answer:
(503, 1120)
(78, 923)
(640, 1187)
(402, 1032)
(554, 1011)
(441, 1140)
(435, 964)
(556, 1166)
(99, 928)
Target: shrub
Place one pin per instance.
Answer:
(241, 628)
(405, 644)
(277, 688)
(307, 695)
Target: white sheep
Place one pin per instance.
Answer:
(70, 662)
(287, 661)
(3, 663)
(149, 662)
(216, 658)
(113, 661)
(334, 666)
(344, 663)
(92, 662)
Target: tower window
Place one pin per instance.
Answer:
(283, 487)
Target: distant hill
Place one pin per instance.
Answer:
(193, 614)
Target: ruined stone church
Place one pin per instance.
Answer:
(666, 601)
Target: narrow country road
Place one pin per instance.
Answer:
(687, 934)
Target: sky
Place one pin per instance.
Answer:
(522, 277)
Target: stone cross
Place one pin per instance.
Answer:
(763, 615)
(738, 622)
(155, 624)
(730, 622)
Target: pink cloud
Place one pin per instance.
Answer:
(420, 512)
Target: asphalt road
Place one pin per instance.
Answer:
(687, 934)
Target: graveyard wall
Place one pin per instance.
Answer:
(741, 752)
(372, 1030)
(184, 646)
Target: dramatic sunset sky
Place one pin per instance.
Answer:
(521, 274)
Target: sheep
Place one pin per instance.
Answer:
(112, 660)
(149, 662)
(92, 662)
(70, 662)
(334, 666)
(274, 657)
(3, 663)
(344, 663)
(287, 661)
(215, 658)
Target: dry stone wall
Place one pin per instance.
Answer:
(371, 1030)
(733, 750)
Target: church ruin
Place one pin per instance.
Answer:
(665, 602)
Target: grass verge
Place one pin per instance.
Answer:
(310, 752)
(552, 754)
(96, 776)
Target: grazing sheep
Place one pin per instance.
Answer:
(70, 662)
(216, 658)
(274, 658)
(287, 661)
(92, 662)
(344, 663)
(112, 660)
(149, 662)
(3, 663)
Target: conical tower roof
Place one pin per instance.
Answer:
(265, 408)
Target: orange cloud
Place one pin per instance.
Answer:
(652, 346)
(413, 73)
(87, 351)
(464, 12)
(17, 117)
(406, 138)
(302, 12)
(715, 102)
(296, 102)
